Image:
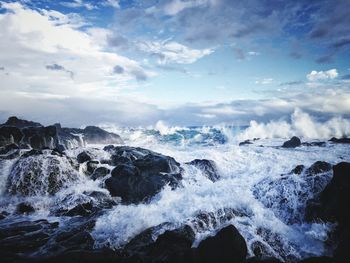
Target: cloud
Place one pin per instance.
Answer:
(176, 6)
(322, 75)
(79, 4)
(173, 52)
(264, 81)
(112, 3)
(59, 68)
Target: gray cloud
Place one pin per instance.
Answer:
(118, 70)
(57, 67)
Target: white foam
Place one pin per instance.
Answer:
(302, 125)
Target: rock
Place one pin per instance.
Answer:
(25, 208)
(334, 199)
(141, 179)
(292, 143)
(91, 166)
(318, 167)
(263, 260)
(8, 148)
(246, 142)
(100, 172)
(318, 260)
(171, 246)
(10, 135)
(83, 157)
(19, 123)
(40, 137)
(96, 135)
(207, 167)
(226, 246)
(84, 209)
(341, 140)
(40, 173)
(319, 144)
(3, 215)
(298, 169)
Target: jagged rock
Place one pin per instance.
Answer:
(25, 208)
(298, 169)
(171, 246)
(246, 142)
(40, 173)
(95, 135)
(91, 166)
(226, 246)
(83, 157)
(144, 177)
(318, 167)
(80, 210)
(40, 137)
(292, 143)
(19, 123)
(208, 168)
(100, 172)
(340, 140)
(319, 144)
(10, 147)
(10, 135)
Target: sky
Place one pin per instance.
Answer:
(185, 62)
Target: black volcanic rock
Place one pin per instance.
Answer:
(10, 135)
(25, 208)
(208, 167)
(318, 167)
(227, 245)
(143, 177)
(292, 143)
(246, 142)
(8, 148)
(83, 157)
(340, 140)
(19, 123)
(40, 137)
(96, 135)
(100, 172)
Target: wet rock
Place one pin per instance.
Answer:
(144, 177)
(83, 157)
(170, 246)
(292, 143)
(25, 208)
(91, 166)
(100, 172)
(3, 215)
(319, 260)
(263, 260)
(40, 173)
(19, 123)
(40, 137)
(319, 144)
(226, 246)
(10, 135)
(246, 142)
(96, 135)
(298, 169)
(207, 167)
(10, 147)
(318, 167)
(340, 140)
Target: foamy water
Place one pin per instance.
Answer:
(240, 197)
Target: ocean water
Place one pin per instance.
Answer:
(254, 192)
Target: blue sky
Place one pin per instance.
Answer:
(186, 62)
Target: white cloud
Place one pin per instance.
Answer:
(112, 3)
(265, 81)
(322, 75)
(33, 39)
(78, 4)
(176, 6)
(173, 52)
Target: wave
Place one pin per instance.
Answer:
(302, 125)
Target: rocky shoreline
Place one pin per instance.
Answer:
(131, 176)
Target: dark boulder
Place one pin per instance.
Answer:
(40, 173)
(10, 135)
(208, 168)
(319, 144)
(144, 177)
(96, 135)
(19, 123)
(246, 142)
(340, 140)
(171, 246)
(91, 166)
(226, 246)
(292, 143)
(318, 167)
(8, 148)
(84, 209)
(25, 208)
(40, 137)
(298, 169)
(100, 172)
(83, 157)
